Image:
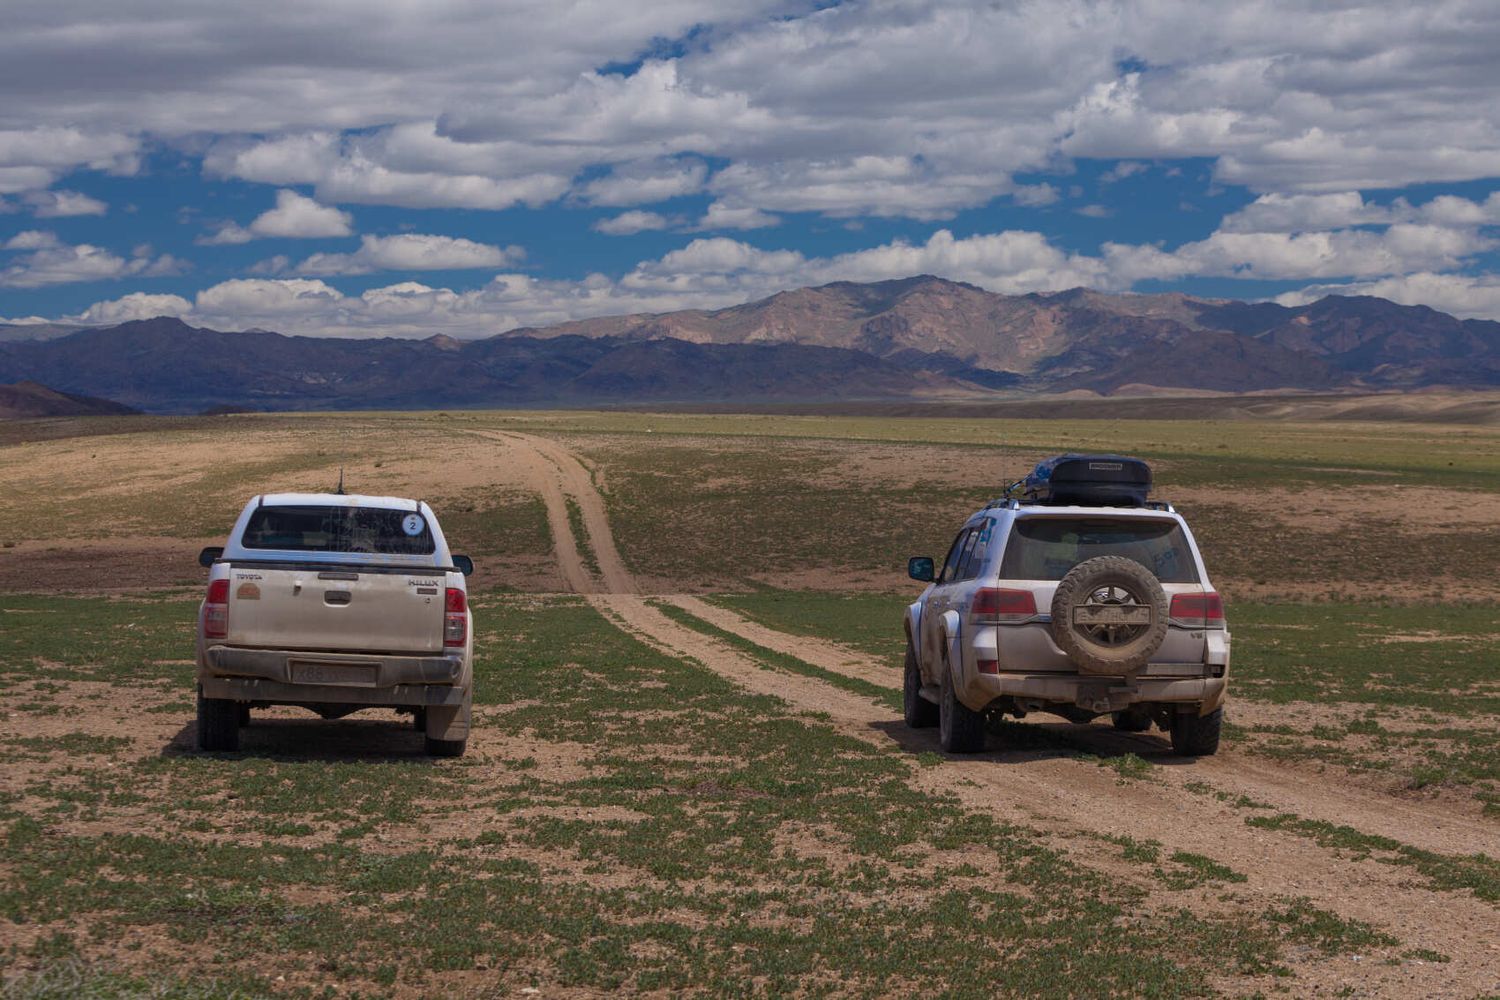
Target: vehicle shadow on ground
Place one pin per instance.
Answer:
(309, 738)
(1023, 742)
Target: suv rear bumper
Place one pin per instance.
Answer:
(1098, 694)
(305, 677)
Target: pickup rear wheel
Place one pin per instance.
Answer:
(1196, 735)
(960, 728)
(446, 748)
(218, 724)
(920, 713)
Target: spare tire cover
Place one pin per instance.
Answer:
(1109, 615)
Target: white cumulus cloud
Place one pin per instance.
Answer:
(60, 204)
(295, 216)
(53, 262)
(136, 305)
(632, 222)
(411, 252)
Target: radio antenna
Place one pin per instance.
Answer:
(340, 490)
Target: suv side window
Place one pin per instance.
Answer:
(978, 544)
(950, 565)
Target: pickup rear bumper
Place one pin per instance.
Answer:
(303, 677)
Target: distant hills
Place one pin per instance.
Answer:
(31, 399)
(914, 338)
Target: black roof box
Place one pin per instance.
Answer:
(1088, 481)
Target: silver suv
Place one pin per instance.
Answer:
(1056, 603)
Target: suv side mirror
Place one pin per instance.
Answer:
(464, 565)
(921, 568)
(210, 555)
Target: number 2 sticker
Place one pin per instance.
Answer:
(413, 524)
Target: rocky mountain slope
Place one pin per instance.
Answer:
(1086, 339)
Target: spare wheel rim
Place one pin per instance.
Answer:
(1112, 616)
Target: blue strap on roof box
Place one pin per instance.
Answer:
(1088, 481)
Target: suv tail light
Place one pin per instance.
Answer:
(455, 617)
(999, 606)
(216, 610)
(1205, 610)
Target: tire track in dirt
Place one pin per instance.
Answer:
(558, 475)
(1064, 795)
(1413, 823)
(821, 653)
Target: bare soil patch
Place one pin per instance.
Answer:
(1354, 508)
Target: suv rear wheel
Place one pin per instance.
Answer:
(1196, 735)
(960, 728)
(920, 713)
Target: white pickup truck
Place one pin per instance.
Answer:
(336, 603)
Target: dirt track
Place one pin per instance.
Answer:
(1072, 797)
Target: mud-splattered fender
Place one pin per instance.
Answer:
(914, 625)
(951, 635)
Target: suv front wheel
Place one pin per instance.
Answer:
(920, 713)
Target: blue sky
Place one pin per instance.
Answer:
(403, 169)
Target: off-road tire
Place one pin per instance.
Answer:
(960, 728)
(1091, 654)
(1131, 720)
(445, 748)
(1196, 735)
(920, 713)
(218, 724)
(244, 715)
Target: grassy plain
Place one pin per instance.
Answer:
(629, 820)
(651, 829)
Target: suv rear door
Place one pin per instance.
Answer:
(1043, 547)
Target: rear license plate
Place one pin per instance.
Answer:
(1111, 614)
(342, 674)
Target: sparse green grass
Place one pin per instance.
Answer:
(1346, 653)
(781, 661)
(1479, 873)
(581, 536)
(1283, 653)
(869, 622)
(638, 824)
(686, 847)
(1331, 934)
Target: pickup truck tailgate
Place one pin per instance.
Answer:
(346, 610)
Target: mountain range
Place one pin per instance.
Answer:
(919, 337)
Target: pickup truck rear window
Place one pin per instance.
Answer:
(376, 530)
(1045, 548)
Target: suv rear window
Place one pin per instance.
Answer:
(1045, 548)
(376, 530)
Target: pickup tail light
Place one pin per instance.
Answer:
(1001, 606)
(216, 610)
(455, 617)
(1205, 610)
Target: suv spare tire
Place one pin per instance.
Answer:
(1109, 615)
